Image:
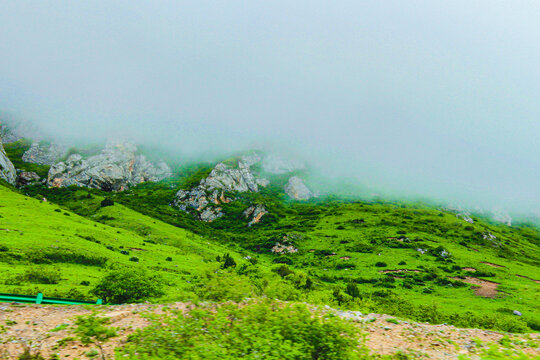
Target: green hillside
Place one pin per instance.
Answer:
(410, 260)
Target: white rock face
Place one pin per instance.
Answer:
(206, 197)
(44, 154)
(7, 170)
(296, 189)
(115, 169)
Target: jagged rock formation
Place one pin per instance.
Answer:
(296, 189)
(116, 168)
(255, 213)
(206, 197)
(27, 177)
(7, 170)
(44, 153)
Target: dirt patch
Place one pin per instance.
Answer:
(468, 269)
(345, 258)
(136, 249)
(526, 277)
(492, 264)
(481, 287)
(31, 324)
(399, 271)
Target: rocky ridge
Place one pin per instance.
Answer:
(206, 199)
(44, 153)
(116, 168)
(7, 170)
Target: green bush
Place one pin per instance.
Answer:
(128, 285)
(262, 330)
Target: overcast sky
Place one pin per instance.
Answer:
(432, 98)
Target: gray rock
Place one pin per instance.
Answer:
(255, 213)
(44, 153)
(212, 189)
(210, 214)
(517, 313)
(296, 189)
(7, 170)
(116, 168)
(27, 177)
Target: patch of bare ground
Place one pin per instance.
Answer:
(481, 287)
(492, 264)
(31, 325)
(468, 269)
(526, 277)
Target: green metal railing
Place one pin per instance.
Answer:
(40, 299)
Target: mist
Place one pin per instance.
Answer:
(430, 99)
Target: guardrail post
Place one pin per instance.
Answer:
(39, 298)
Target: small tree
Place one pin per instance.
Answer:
(352, 290)
(228, 261)
(128, 285)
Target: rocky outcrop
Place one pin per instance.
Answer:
(7, 170)
(116, 168)
(296, 189)
(205, 198)
(255, 213)
(44, 153)
(27, 178)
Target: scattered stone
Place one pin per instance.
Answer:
(517, 313)
(27, 177)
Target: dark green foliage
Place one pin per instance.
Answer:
(85, 283)
(352, 290)
(283, 270)
(50, 256)
(168, 258)
(227, 261)
(106, 202)
(128, 285)
(258, 330)
(134, 259)
(381, 264)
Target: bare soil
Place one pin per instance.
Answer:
(31, 325)
(483, 288)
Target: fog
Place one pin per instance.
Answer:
(431, 99)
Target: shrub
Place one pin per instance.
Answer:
(381, 264)
(402, 263)
(168, 258)
(352, 290)
(134, 259)
(107, 202)
(85, 283)
(228, 261)
(128, 285)
(283, 270)
(40, 275)
(263, 330)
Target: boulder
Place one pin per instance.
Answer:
(7, 170)
(255, 213)
(116, 168)
(27, 177)
(44, 153)
(296, 189)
